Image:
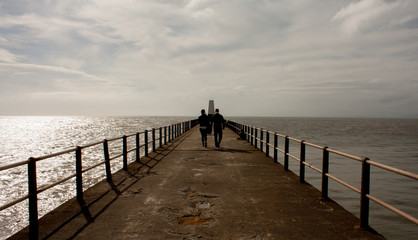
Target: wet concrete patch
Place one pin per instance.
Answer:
(194, 220)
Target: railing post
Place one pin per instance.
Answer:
(325, 170)
(137, 150)
(261, 139)
(153, 139)
(168, 133)
(79, 184)
(160, 139)
(275, 147)
(286, 152)
(146, 143)
(165, 135)
(267, 143)
(255, 137)
(125, 152)
(302, 160)
(33, 200)
(107, 161)
(365, 190)
(79, 176)
(252, 135)
(172, 131)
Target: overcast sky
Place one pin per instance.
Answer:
(331, 58)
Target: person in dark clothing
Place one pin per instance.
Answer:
(203, 120)
(218, 125)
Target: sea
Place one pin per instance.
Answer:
(393, 142)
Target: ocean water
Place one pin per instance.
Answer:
(24, 137)
(393, 142)
(390, 141)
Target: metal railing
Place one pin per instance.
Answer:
(262, 142)
(165, 134)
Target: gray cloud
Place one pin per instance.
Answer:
(284, 58)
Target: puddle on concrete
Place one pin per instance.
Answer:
(194, 220)
(203, 205)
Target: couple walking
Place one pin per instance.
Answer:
(218, 122)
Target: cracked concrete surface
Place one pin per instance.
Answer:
(186, 191)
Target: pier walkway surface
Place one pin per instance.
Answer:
(186, 191)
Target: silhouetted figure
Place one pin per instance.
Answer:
(204, 124)
(218, 122)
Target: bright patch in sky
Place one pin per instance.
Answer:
(348, 58)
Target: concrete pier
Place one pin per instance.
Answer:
(186, 191)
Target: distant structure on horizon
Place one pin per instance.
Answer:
(211, 109)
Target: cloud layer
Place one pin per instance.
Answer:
(265, 58)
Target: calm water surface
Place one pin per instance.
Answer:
(390, 141)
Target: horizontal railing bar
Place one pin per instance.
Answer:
(271, 145)
(357, 158)
(91, 144)
(131, 150)
(13, 165)
(313, 145)
(294, 139)
(41, 189)
(393, 209)
(65, 152)
(91, 167)
(312, 166)
(117, 156)
(14, 202)
(392, 169)
(131, 135)
(114, 139)
(281, 135)
(280, 150)
(55, 154)
(344, 183)
(294, 157)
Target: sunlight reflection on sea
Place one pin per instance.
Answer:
(24, 137)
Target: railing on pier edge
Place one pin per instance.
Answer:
(250, 133)
(165, 134)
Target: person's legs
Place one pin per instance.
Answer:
(204, 137)
(215, 133)
(220, 138)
